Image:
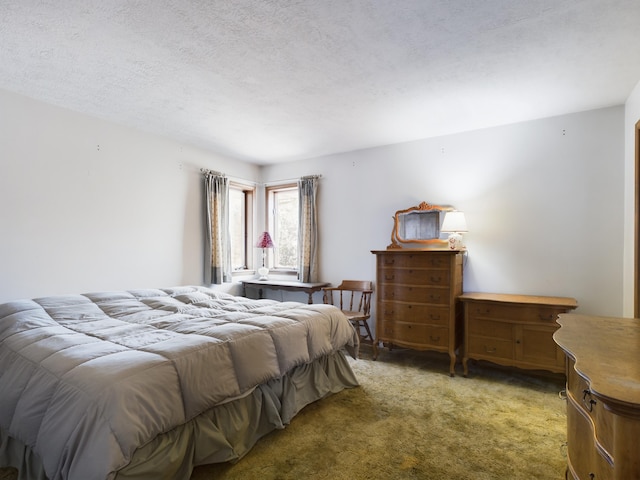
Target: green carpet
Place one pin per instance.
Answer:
(410, 420)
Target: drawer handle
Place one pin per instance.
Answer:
(490, 350)
(483, 311)
(589, 405)
(434, 298)
(434, 316)
(549, 317)
(434, 339)
(436, 279)
(389, 277)
(389, 262)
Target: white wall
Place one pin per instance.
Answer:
(87, 205)
(543, 201)
(632, 116)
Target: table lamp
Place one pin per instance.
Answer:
(455, 224)
(264, 242)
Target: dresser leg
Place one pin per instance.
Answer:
(452, 364)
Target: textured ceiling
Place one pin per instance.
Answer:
(278, 80)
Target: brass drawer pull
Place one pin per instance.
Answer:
(490, 349)
(434, 339)
(589, 405)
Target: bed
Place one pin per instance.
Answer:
(150, 383)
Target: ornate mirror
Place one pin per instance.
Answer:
(419, 225)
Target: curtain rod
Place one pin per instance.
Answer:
(206, 171)
(287, 180)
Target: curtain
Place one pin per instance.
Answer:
(308, 230)
(218, 240)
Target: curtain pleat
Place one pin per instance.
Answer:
(308, 230)
(218, 240)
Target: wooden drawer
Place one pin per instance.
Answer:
(489, 348)
(414, 313)
(490, 329)
(416, 334)
(514, 313)
(584, 458)
(413, 276)
(581, 452)
(415, 294)
(601, 418)
(413, 260)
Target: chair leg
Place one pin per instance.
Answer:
(369, 335)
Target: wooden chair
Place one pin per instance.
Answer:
(353, 297)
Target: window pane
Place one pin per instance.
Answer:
(237, 222)
(285, 220)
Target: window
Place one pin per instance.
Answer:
(282, 217)
(240, 226)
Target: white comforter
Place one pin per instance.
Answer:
(87, 379)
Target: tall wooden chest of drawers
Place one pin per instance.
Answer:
(416, 304)
(603, 396)
(513, 330)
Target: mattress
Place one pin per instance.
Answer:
(89, 382)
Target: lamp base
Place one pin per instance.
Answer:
(455, 241)
(264, 273)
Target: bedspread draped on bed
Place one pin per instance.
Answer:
(102, 383)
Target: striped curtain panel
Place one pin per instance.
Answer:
(218, 240)
(308, 230)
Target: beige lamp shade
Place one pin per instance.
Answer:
(454, 222)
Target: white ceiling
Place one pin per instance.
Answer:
(277, 80)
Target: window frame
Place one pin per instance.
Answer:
(270, 192)
(249, 192)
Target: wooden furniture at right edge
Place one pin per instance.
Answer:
(513, 330)
(603, 396)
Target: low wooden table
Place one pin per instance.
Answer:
(261, 285)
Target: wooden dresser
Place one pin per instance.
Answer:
(513, 330)
(603, 396)
(416, 291)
